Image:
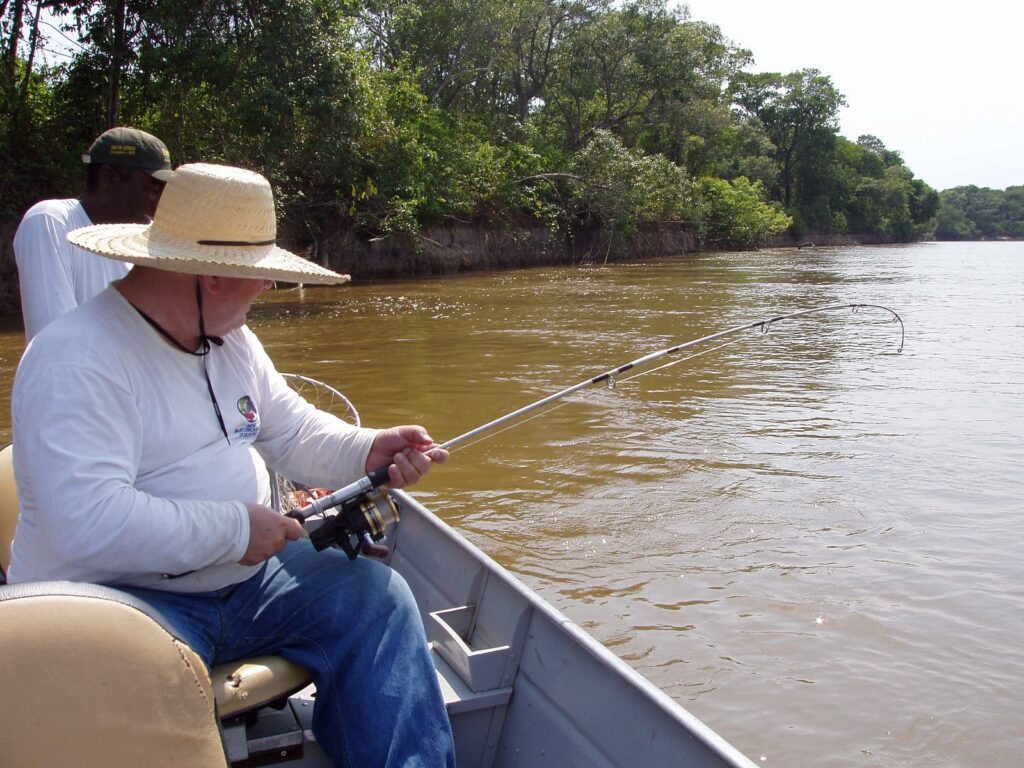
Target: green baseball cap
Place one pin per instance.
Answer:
(131, 148)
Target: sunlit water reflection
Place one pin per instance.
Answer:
(809, 540)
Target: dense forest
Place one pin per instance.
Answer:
(973, 213)
(382, 116)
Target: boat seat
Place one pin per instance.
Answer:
(248, 684)
(92, 676)
(8, 505)
(60, 632)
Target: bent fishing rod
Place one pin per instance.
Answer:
(365, 514)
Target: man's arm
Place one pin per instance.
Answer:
(46, 286)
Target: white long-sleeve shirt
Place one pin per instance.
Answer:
(124, 475)
(55, 276)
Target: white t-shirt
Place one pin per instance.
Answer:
(124, 475)
(55, 276)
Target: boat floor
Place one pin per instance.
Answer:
(285, 735)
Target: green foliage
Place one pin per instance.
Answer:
(734, 214)
(372, 117)
(29, 166)
(799, 112)
(746, 151)
(953, 224)
(973, 213)
(1013, 200)
(618, 188)
(862, 188)
(881, 206)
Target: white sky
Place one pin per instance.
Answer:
(940, 82)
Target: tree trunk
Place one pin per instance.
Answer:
(11, 62)
(33, 43)
(116, 64)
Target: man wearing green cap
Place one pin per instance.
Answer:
(125, 173)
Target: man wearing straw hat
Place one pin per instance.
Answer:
(142, 421)
(125, 173)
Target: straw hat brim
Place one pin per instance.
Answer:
(140, 244)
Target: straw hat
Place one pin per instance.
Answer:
(211, 220)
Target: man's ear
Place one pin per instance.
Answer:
(107, 177)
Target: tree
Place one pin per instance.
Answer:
(734, 214)
(979, 213)
(689, 118)
(799, 112)
(377, 116)
(617, 187)
(1014, 207)
(13, 30)
(878, 194)
(952, 224)
(604, 80)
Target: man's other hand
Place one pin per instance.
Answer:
(269, 531)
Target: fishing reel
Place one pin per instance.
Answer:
(359, 525)
(362, 520)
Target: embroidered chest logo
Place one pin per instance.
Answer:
(247, 408)
(251, 428)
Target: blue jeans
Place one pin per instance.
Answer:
(355, 626)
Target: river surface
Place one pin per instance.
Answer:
(811, 541)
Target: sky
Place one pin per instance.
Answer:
(940, 82)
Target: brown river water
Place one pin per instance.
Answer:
(810, 541)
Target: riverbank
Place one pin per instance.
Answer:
(457, 247)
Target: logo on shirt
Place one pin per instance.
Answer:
(247, 408)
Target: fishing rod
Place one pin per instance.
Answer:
(364, 515)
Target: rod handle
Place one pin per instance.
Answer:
(379, 476)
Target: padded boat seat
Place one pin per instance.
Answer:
(8, 504)
(85, 664)
(93, 676)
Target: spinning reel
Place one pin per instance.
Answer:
(362, 520)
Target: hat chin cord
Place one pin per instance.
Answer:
(205, 343)
(204, 340)
(204, 350)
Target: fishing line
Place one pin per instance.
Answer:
(763, 326)
(612, 384)
(677, 362)
(364, 516)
